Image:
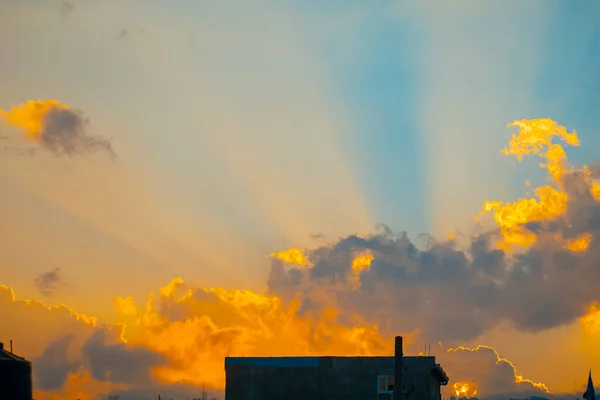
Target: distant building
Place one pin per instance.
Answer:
(334, 378)
(15, 376)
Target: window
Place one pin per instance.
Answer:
(385, 384)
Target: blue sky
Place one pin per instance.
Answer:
(263, 124)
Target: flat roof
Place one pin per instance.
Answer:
(311, 362)
(303, 361)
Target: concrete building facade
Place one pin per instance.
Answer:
(334, 378)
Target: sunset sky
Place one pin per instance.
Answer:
(230, 167)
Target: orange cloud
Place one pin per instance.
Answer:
(591, 320)
(196, 328)
(291, 256)
(80, 385)
(535, 137)
(30, 116)
(57, 127)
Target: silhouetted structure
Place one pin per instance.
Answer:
(590, 393)
(15, 376)
(334, 378)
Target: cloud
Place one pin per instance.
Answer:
(454, 291)
(53, 367)
(486, 373)
(64, 132)
(73, 356)
(195, 328)
(56, 127)
(46, 282)
(444, 292)
(51, 337)
(124, 33)
(80, 385)
(344, 298)
(117, 362)
(176, 344)
(66, 9)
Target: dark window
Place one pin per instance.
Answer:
(382, 383)
(390, 383)
(386, 384)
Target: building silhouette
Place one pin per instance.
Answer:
(334, 378)
(15, 376)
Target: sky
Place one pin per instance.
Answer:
(187, 180)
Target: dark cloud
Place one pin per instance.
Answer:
(118, 362)
(453, 293)
(64, 131)
(50, 371)
(47, 282)
(106, 359)
(493, 376)
(66, 9)
(126, 32)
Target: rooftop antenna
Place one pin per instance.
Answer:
(11, 347)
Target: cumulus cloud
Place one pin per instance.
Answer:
(56, 127)
(486, 372)
(73, 356)
(452, 291)
(443, 291)
(117, 362)
(176, 343)
(53, 366)
(65, 132)
(47, 282)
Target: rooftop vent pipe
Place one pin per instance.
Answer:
(398, 369)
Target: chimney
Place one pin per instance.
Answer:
(1, 346)
(398, 369)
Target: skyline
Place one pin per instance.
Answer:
(234, 173)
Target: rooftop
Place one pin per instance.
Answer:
(339, 361)
(8, 356)
(312, 361)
